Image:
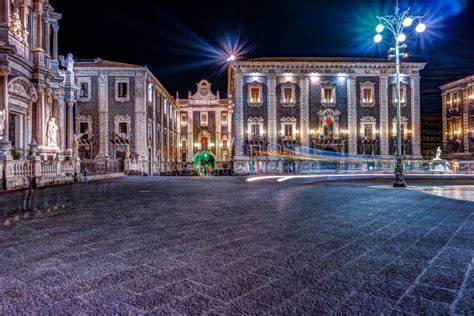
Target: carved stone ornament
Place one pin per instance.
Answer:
(16, 27)
(2, 123)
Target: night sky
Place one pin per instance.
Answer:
(185, 41)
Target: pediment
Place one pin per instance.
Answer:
(204, 91)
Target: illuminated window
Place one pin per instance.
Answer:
(470, 93)
(328, 96)
(328, 93)
(255, 126)
(255, 95)
(287, 94)
(204, 121)
(224, 119)
(288, 127)
(368, 97)
(184, 144)
(405, 132)
(255, 129)
(403, 94)
(184, 119)
(224, 144)
(150, 93)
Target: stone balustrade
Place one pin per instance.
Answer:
(20, 174)
(135, 167)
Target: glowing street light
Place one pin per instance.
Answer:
(396, 24)
(231, 58)
(407, 22)
(421, 27)
(401, 38)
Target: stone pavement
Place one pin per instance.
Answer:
(224, 246)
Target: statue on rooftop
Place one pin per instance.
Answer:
(70, 63)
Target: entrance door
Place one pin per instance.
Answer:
(204, 164)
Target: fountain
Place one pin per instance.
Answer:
(439, 165)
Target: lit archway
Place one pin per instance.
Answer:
(204, 163)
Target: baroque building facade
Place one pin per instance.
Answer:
(458, 118)
(344, 105)
(125, 120)
(205, 131)
(37, 96)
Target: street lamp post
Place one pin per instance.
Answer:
(396, 24)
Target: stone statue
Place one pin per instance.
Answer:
(439, 165)
(52, 133)
(438, 154)
(2, 123)
(70, 63)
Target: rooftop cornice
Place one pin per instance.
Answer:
(456, 83)
(315, 65)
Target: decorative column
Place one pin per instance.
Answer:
(62, 124)
(304, 112)
(40, 120)
(415, 116)
(5, 13)
(445, 123)
(154, 129)
(162, 104)
(384, 123)
(218, 144)
(352, 114)
(4, 115)
(69, 129)
(103, 116)
(55, 40)
(140, 116)
(39, 24)
(190, 135)
(47, 37)
(239, 114)
(272, 114)
(465, 119)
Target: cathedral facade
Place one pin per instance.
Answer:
(344, 105)
(37, 96)
(125, 120)
(205, 132)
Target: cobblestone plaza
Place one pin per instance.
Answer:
(136, 246)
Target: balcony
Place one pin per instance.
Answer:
(336, 145)
(255, 138)
(368, 146)
(289, 140)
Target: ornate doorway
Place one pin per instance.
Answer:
(204, 164)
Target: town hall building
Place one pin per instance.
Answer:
(343, 105)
